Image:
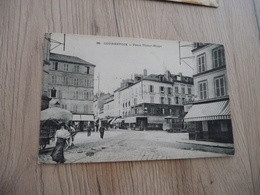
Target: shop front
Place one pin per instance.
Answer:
(210, 122)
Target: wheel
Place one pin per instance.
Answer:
(43, 146)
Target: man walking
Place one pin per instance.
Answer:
(101, 130)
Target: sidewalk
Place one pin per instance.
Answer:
(205, 143)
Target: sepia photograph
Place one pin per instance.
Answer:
(111, 99)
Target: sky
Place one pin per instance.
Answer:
(119, 58)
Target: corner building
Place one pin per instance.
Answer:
(71, 85)
(144, 103)
(209, 118)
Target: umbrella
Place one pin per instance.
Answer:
(56, 114)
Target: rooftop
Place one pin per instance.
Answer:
(69, 59)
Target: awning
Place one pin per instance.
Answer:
(119, 120)
(209, 111)
(170, 117)
(81, 117)
(156, 119)
(130, 120)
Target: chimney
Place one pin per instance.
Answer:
(145, 72)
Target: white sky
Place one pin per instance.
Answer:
(116, 62)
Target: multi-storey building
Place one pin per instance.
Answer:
(146, 101)
(209, 117)
(71, 85)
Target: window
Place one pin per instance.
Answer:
(218, 57)
(86, 95)
(176, 89)
(177, 100)
(63, 106)
(135, 101)
(162, 100)
(152, 99)
(201, 61)
(183, 100)
(169, 90)
(183, 90)
(87, 70)
(66, 67)
(169, 101)
(85, 108)
(203, 90)
(196, 45)
(76, 82)
(76, 95)
(220, 86)
(162, 90)
(55, 65)
(59, 94)
(75, 108)
(151, 89)
(65, 80)
(162, 110)
(152, 110)
(189, 90)
(76, 68)
(54, 79)
(53, 92)
(170, 110)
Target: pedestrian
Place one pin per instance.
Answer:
(61, 137)
(97, 125)
(101, 130)
(89, 129)
(73, 132)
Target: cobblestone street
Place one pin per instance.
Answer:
(126, 145)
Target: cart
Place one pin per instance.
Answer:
(51, 119)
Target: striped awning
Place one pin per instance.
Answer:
(209, 111)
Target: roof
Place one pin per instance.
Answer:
(70, 59)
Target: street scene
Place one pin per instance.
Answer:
(107, 99)
(121, 145)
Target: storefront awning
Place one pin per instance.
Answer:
(130, 120)
(81, 117)
(119, 120)
(156, 119)
(209, 111)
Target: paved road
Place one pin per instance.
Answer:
(126, 145)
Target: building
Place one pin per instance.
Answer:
(98, 104)
(146, 101)
(71, 85)
(209, 117)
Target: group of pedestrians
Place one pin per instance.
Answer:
(63, 136)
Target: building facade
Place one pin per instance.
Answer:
(209, 117)
(71, 86)
(146, 101)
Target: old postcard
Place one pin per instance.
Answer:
(108, 99)
(210, 3)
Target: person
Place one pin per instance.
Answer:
(61, 137)
(101, 130)
(73, 132)
(97, 122)
(89, 129)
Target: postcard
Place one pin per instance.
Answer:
(111, 99)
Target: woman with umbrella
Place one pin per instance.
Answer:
(61, 137)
